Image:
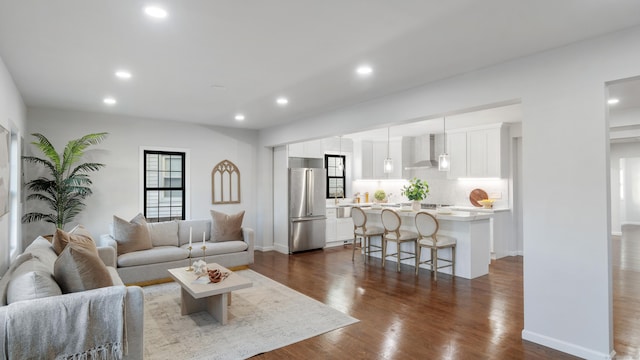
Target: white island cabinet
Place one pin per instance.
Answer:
(471, 231)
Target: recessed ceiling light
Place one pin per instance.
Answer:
(239, 117)
(123, 74)
(282, 101)
(156, 12)
(613, 101)
(109, 101)
(364, 70)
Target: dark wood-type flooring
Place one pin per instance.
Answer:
(407, 317)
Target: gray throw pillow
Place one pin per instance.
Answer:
(226, 227)
(4, 282)
(131, 235)
(32, 285)
(163, 233)
(79, 268)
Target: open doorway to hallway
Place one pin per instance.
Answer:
(624, 155)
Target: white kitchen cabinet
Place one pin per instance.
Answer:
(479, 152)
(457, 148)
(331, 226)
(307, 149)
(345, 229)
(372, 155)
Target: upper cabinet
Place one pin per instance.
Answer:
(369, 159)
(480, 152)
(307, 149)
(457, 146)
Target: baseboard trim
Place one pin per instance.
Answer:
(566, 347)
(263, 248)
(281, 248)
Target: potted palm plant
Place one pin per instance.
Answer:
(416, 191)
(67, 183)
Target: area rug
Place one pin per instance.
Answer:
(262, 318)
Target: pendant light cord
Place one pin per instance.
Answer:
(444, 125)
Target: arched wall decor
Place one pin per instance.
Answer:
(225, 183)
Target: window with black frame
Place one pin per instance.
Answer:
(334, 164)
(164, 185)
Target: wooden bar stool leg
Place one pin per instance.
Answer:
(398, 253)
(384, 251)
(418, 252)
(434, 254)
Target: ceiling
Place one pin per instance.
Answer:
(211, 59)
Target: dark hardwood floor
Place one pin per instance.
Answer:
(407, 317)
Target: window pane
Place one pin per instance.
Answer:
(164, 171)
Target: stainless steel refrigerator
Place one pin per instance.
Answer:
(307, 209)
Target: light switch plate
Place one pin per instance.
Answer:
(495, 195)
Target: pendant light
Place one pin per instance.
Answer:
(340, 165)
(443, 160)
(388, 163)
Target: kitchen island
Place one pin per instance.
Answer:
(471, 231)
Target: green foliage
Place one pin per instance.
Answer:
(379, 195)
(417, 189)
(67, 183)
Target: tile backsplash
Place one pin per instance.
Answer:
(441, 189)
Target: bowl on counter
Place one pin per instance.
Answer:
(486, 203)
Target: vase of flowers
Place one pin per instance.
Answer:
(416, 191)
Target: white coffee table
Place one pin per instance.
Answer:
(199, 295)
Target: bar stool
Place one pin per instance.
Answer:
(392, 233)
(364, 232)
(427, 226)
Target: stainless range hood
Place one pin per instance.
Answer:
(424, 153)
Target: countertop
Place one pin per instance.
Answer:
(454, 216)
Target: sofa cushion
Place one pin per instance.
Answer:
(79, 268)
(131, 235)
(4, 281)
(32, 285)
(163, 233)
(158, 254)
(61, 238)
(33, 278)
(198, 227)
(226, 227)
(218, 248)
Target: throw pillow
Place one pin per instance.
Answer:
(4, 281)
(32, 285)
(79, 268)
(61, 238)
(226, 227)
(163, 233)
(131, 235)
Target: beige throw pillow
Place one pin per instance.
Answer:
(61, 238)
(131, 235)
(226, 227)
(79, 268)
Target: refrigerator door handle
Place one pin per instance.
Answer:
(308, 192)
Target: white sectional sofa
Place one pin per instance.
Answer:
(169, 249)
(43, 321)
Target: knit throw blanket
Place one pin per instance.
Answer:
(86, 325)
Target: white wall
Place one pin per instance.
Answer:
(117, 187)
(12, 118)
(567, 279)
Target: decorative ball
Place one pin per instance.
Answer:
(200, 268)
(215, 275)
